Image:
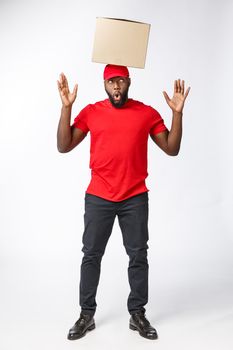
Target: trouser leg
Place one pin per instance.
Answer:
(133, 221)
(98, 221)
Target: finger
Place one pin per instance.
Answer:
(65, 84)
(178, 86)
(187, 92)
(167, 98)
(58, 85)
(175, 86)
(65, 80)
(75, 90)
(62, 83)
(182, 87)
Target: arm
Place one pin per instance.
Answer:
(169, 141)
(68, 137)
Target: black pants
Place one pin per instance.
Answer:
(133, 220)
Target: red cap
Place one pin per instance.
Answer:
(112, 70)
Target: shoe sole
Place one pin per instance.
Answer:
(90, 328)
(133, 328)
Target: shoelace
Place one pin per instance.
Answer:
(142, 319)
(81, 321)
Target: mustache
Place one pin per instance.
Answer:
(120, 102)
(122, 97)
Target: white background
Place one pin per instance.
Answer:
(42, 191)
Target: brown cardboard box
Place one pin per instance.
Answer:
(121, 42)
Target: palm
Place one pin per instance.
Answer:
(176, 103)
(67, 97)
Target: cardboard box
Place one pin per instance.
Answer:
(121, 42)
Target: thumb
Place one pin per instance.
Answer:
(166, 96)
(75, 90)
(187, 92)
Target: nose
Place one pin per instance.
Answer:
(116, 85)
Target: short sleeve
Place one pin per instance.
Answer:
(157, 124)
(81, 121)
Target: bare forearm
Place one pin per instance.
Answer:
(64, 134)
(175, 134)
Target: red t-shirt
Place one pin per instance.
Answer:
(118, 153)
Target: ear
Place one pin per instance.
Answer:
(129, 82)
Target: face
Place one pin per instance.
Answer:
(117, 90)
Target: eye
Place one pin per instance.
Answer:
(110, 81)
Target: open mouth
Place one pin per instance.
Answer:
(117, 96)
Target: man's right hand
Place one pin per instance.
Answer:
(67, 97)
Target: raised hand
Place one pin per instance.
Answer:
(176, 103)
(67, 97)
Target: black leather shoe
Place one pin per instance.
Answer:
(138, 322)
(85, 323)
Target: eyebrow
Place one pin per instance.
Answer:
(114, 78)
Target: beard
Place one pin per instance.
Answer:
(122, 100)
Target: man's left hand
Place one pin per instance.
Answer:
(179, 97)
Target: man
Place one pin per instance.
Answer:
(119, 128)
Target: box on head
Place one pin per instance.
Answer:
(120, 42)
